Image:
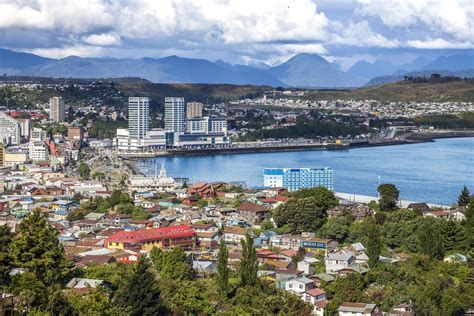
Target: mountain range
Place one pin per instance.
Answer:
(301, 70)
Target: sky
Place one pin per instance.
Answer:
(239, 31)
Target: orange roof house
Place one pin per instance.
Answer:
(145, 239)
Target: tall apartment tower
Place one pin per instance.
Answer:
(193, 110)
(175, 114)
(138, 117)
(56, 109)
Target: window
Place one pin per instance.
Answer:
(290, 285)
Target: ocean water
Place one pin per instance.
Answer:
(432, 172)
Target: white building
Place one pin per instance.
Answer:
(56, 109)
(175, 118)
(307, 265)
(193, 110)
(294, 179)
(138, 117)
(299, 285)
(207, 125)
(160, 182)
(25, 127)
(10, 130)
(38, 134)
(338, 261)
(38, 151)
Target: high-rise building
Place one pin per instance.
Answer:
(175, 118)
(193, 110)
(56, 109)
(9, 130)
(25, 127)
(294, 179)
(138, 117)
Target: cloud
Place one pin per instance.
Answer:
(359, 34)
(439, 43)
(104, 39)
(449, 17)
(233, 30)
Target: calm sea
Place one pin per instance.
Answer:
(433, 172)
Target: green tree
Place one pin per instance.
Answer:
(454, 235)
(430, 239)
(171, 264)
(336, 228)
(304, 214)
(140, 294)
(374, 243)
(59, 305)
(223, 271)
(389, 195)
(324, 198)
(248, 265)
(464, 197)
(5, 255)
(37, 249)
(84, 171)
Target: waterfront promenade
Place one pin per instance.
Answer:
(357, 198)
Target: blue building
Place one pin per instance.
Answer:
(294, 179)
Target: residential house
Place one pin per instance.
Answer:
(234, 234)
(299, 285)
(254, 213)
(307, 265)
(317, 298)
(358, 309)
(163, 237)
(203, 189)
(338, 261)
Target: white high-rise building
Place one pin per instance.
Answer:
(56, 109)
(138, 117)
(9, 130)
(193, 109)
(175, 115)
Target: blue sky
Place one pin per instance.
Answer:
(239, 31)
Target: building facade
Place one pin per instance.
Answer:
(194, 110)
(294, 179)
(207, 125)
(138, 117)
(38, 151)
(10, 130)
(56, 109)
(175, 116)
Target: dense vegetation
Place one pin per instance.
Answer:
(403, 92)
(434, 286)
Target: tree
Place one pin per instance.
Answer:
(248, 265)
(464, 197)
(59, 305)
(374, 243)
(324, 198)
(304, 214)
(140, 294)
(336, 228)
(37, 249)
(223, 271)
(300, 254)
(5, 256)
(389, 195)
(430, 239)
(455, 236)
(171, 264)
(84, 171)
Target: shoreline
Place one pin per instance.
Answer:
(410, 139)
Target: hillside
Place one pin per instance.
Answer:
(403, 91)
(192, 92)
